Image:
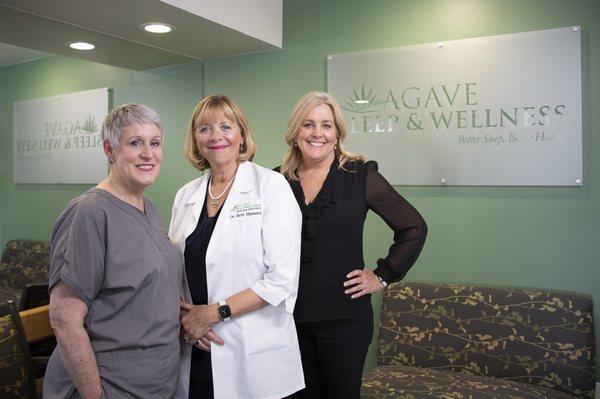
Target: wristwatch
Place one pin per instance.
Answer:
(224, 311)
(382, 281)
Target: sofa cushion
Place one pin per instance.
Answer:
(532, 336)
(27, 251)
(18, 275)
(10, 294)
(407, 382)
(23, 262)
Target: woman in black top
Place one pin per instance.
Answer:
(335, 190)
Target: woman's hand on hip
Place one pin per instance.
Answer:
(197, 320)
(361, 282)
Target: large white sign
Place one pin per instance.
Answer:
(57, 139)
(499, 110)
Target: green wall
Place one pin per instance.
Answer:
(539, 237)
(29, 210)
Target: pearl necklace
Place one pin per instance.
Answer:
(215, 200)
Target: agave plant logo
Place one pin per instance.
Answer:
(89, 125)
(362, 102)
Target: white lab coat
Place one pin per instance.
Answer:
(255, 244)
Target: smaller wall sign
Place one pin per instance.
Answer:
(57, 139)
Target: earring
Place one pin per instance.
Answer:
(110, 160)
(296, 144)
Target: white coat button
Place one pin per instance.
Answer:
(210, 266)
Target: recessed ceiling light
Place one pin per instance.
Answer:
(156, 27)
(82, 46)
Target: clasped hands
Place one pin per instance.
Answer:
(197, 322)
(361, 282)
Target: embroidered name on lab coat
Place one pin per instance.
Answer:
(246, 209)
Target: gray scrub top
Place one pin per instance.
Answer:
(122, 264)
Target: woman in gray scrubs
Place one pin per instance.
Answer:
(115, 277)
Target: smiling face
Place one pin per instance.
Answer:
(318, 136)
(219, 141)
(136, 161)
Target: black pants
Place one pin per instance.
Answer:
(201, 381)
(333, 355)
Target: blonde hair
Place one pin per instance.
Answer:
(205, 112)
(293, 157)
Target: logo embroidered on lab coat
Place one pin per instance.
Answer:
(245, 210)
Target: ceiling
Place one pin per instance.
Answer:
(10, 54)
(204, 29)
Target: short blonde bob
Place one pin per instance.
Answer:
(293, 157)
(207, 111)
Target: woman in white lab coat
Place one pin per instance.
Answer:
(239, 228)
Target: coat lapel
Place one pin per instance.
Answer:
(195, 204)
(241, 185)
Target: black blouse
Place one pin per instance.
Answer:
(195, 268)
(332, 239)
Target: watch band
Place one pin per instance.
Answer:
(382, 281)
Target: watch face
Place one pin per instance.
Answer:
(224, 312)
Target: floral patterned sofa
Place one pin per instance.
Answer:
(16, 370)
(24, 268)
(461, 341)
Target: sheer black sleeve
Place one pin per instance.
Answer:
(409, 227)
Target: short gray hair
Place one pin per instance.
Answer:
(126, 115)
